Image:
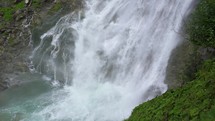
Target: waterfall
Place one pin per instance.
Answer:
(108, 58)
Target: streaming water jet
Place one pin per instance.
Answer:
(109, 58)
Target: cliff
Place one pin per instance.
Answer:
(18, 18)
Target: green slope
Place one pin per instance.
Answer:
(195, 101)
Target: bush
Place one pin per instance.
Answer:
(201, 26)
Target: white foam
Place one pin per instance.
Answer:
(112, 60)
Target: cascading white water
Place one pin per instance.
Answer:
(110, 57)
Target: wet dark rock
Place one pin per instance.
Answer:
(20, 17)
(14, 37)
(2, 30)
(1, 14)
(49, 0)
(8, 31)
(18, 12)
(4, 37)
(206, 53)
(21, 67)
(17, 1)
(1, 42)
(29, 12)
(181, 65)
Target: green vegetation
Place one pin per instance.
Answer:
(37, 4)
(201, 26)
(194, 101)
(20, 5)
(8, 11)
(56, 7)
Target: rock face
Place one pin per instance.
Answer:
(184, 63)
(12, 44)
(15, 33)
(181, 65)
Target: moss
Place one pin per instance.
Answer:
(8, 11)
(56, 7)
(36, 4)
(20, 5)
(11, 41)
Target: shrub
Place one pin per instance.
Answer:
(194, 101)
(201, 26)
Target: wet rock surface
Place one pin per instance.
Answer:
(15, 33)
(185, 61)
